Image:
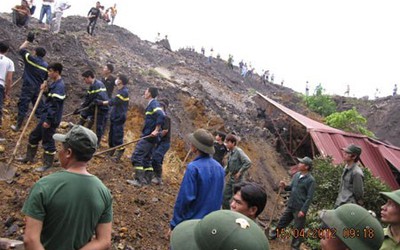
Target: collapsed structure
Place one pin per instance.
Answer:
(307, 136)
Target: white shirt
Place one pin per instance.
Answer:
(6, 65)
(61, 5)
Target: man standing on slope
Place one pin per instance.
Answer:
(141, 157)
(51, 118)
(203, 183)
(238, 164)
(6, 74)
(351, 188)
(35, 73)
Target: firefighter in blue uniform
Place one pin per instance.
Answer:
(141, 157)
(162, 146)
(49, 120)
(35, 73)
(97, 92)
(119, 107)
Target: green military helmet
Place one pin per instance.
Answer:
(219, 230)
(394, 196)
(352, 149)
(354, 226)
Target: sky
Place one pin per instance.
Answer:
(335, 43)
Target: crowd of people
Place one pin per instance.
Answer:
(53, 10)
(216, 207)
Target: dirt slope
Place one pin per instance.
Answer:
(201, 94)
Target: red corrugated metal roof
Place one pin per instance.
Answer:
(330, 141)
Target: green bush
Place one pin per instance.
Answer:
(350, 121)
(328, 177)
(320, 103)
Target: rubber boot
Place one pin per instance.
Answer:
(139, 179)
(17, 126)
(157, 180)
(118, 155)
(148, 175)
(47, 162)
(30, 154)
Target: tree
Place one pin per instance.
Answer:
(350, 121)
(320, 103)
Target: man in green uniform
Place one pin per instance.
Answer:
(390, 214)
(351, 188)
(238, 164)
(65, 209)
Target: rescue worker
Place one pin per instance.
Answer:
(96, 93)
(50, 119)
(141, 157)
(35, 73)
(108, 79)
(119, 107)
(162, 146)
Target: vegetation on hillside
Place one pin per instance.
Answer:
(327, 177)
(320, 103)
(350, 121)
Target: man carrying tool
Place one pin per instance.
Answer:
(6, 74)
(35, 73)
(141, 157)
(302, 190)
(95, 94)
(119, 107)
(162, 146)
(49, 121)
(238, 164)
(65, 209)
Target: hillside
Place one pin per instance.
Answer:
(200, 94)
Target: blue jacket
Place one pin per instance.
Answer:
(54, 103)
(153, 116)
(120, 105)
(35, 71)
(96, 91)
(201, 190)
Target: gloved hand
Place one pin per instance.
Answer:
(30, 37)
(77, 111)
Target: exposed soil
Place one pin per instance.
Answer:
(203, 95)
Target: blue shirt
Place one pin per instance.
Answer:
(35, 71)
(119, 105)
(153, 116)
(96, 91)
(54, 103)
(201, 190)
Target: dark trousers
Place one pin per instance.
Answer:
(28, 95)
(1, 102)
(45, 135)
(288, 216)
(91, 26)
(100, 123)
(158, 157)
(228, 191)
(116, 134)
(141, 157)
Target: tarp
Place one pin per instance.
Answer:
(329, 141)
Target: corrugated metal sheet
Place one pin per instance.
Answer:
(329, 141)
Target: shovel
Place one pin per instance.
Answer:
(7, 171)
(16, 81)
(122, 145)
(268, 225)
(72, 113)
